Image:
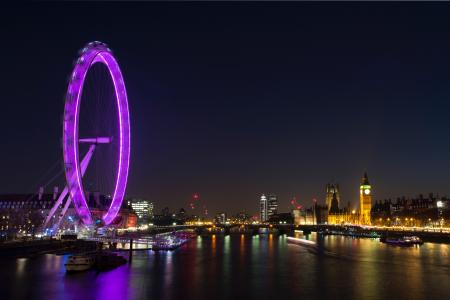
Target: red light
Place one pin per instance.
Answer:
(295, 204)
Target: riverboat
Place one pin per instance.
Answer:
(405, 241)
(78, 263)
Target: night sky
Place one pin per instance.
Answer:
(231, 101)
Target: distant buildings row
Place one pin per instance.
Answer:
(418, 211)
(24, 214)
(331, 213)
(430, 211)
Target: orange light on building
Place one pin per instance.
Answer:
(132, 220)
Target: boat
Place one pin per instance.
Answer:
(78, 263)
(405, 241)
(352, 233)
(413, 239)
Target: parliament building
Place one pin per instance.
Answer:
(339, 214)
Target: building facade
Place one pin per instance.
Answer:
(24, 214)
(143, 209)
(272, 206)
(432, 211)
(317, 214)
(338, 214)
(221, 218)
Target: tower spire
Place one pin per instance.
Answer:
(365, 179)
(334, 204)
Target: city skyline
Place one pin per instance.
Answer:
(283, 106)
(238, 150)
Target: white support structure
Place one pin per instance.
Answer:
(97, 140)
(62, 214)
(83, 167)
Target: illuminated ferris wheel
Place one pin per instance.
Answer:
(96, 127)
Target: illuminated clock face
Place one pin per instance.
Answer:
(367, 191)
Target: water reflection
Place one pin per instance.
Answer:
(213, 242)
(112, 284)
(21, 264)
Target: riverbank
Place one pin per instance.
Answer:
(374, 232)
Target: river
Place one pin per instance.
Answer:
(244, 267)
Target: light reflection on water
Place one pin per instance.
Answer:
(244, 267)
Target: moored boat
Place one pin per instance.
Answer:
(413, 239)
(78, 263)
(405, 241)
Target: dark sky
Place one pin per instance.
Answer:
(234, 100)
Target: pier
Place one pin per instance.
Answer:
(162, 241)
(34, 248)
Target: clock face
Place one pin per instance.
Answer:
(367, 191)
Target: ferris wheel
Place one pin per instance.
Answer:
(96, 127)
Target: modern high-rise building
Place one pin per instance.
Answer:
(268, 207)
(272, 206)
(143, 209)
(221, 218)
(263, 207)
(365, 201)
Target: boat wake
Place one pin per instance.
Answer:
(318, 250)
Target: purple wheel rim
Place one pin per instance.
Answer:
(95, 52)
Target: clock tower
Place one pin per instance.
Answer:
(365, 201)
